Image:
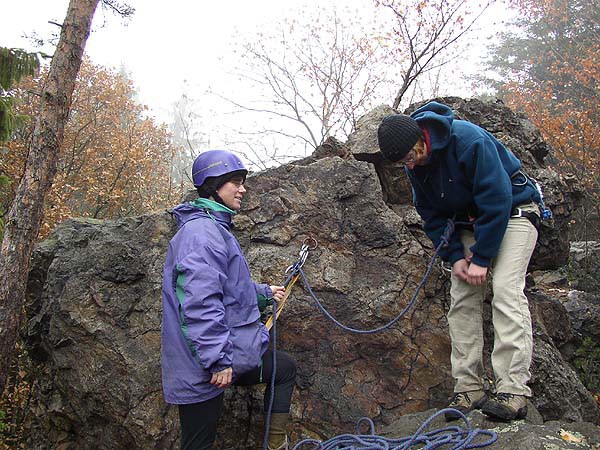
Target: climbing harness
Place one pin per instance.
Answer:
(533, 218)
(545, 213)
(454, 437)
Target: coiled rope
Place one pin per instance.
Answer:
(453, 437)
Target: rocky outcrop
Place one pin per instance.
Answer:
(584, 265)
(94, 302)
(94, 310)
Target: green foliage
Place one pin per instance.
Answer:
(2, 424)
(7, 118)
(587, 364)
(14, 65)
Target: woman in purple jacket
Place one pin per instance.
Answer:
(212, 335)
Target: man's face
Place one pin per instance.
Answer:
(417, 156)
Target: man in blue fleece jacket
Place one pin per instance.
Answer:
(460, 171)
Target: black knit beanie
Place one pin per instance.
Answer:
(396, 135)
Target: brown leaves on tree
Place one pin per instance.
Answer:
(557, 87)
(115, 161)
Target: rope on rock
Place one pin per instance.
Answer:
(271, 323)
(444, 240)
(454, 437)
(449, 435)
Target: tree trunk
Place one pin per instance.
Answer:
(26, 213)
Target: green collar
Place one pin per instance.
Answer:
(205, 203)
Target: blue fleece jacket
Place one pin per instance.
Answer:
(469, 174)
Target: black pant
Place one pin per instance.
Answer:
(199, 420)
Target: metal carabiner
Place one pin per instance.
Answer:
(516, 174)
(309, 243)
(445, 268)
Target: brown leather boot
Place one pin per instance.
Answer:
(506, 407)
(277, 437)
(465, 402)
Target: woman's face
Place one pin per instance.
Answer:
(232, 193)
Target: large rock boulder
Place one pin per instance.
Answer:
(94, 302)
(94, 316)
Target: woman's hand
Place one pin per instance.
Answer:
(278, 292)
(222, 379)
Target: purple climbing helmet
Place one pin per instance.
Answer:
(215, 163)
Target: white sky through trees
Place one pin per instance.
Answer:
(181, 46)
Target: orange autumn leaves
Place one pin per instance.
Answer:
(558, 86)
(114, 162)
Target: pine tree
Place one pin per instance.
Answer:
(14, 64)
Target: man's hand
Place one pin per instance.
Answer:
(476, 274)
(222, 379)
(460, 269)
(278, 292)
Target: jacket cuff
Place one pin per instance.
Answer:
(268, 291)
(456, 256)
(481, 260)
(218, 367)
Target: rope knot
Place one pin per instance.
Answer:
(447, 234)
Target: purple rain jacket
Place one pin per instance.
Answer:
(210, 313)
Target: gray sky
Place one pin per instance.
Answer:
(163, 44)
(185, 46)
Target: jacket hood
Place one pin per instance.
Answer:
(193, 210)
(437, 120)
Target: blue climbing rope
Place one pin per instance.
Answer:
(444, 240)
(459, 438)
(291, 272)
(453, 437)
(271, 385)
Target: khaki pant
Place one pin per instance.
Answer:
(513, 341)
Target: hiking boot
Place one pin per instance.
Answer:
(465, 402)
(277, 439)
(284, 446)
(506, 407)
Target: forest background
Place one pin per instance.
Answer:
(289, 80)
(308, 74)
